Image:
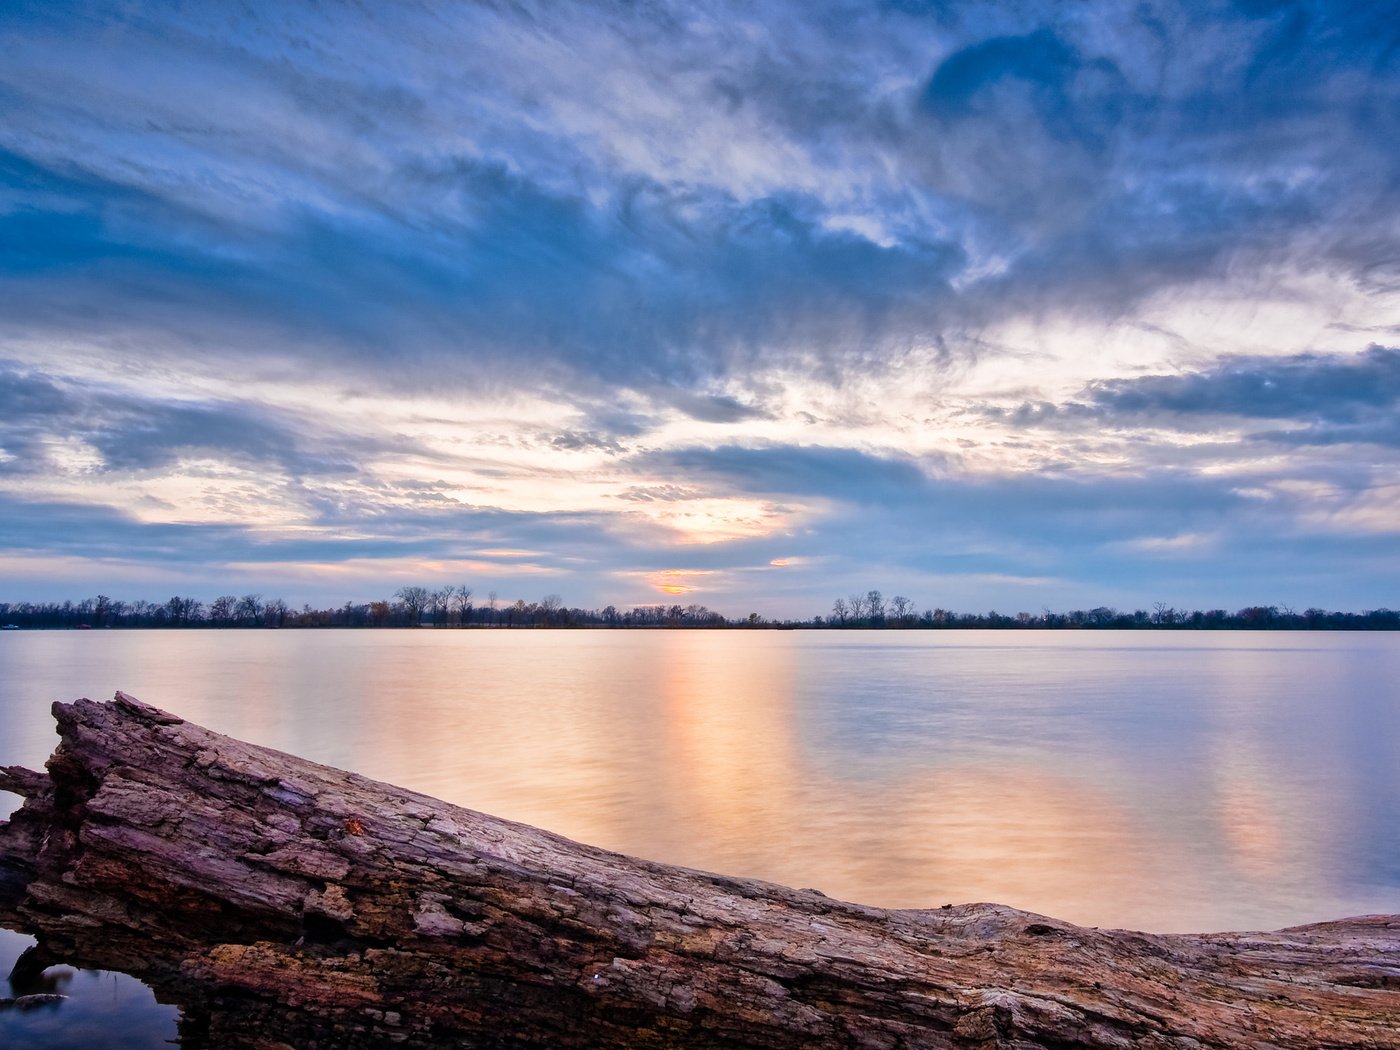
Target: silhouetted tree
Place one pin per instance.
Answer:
(440, 601)
(414, 600)
(462, 603)
(549, 608)
(249, 608)
(275, 613)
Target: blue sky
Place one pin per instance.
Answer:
(992, 305)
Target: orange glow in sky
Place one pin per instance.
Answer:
(673, 581)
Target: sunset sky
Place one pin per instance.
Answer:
(996, 306)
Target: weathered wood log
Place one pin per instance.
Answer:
(290, 895)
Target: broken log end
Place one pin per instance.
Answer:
(26, 783)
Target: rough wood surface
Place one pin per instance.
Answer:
(282, 900)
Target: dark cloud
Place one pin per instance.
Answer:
(537, 284)
(1108, 168)
(710, 408)
(578, 441)
(1383, 431)
(1324, 399)
(100, 532)
(1042, 68)
(378, 532)
(1327, 388)
(792, 470)
(131, 432)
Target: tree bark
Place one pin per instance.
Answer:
(289, 903)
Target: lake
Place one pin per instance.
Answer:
(1162, 781)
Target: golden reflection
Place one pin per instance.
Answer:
(1013, 836)
(1226, 805)
(729, 761)
(450, 717)
(1253, 802)
(1251, 826)
(687, 747)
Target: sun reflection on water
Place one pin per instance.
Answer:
(1162, 783)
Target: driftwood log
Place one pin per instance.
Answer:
(285, 903)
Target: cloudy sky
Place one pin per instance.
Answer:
(755, 304)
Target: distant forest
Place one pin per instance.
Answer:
(456, 607)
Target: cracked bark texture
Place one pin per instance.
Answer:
(286, 903)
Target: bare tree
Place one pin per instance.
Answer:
(249, 609)
(462, 603)
(901, 608)
(441, 601)
(275, 613)
(840, 610)
(414, 600)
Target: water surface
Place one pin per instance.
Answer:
(1160, 781)
(100, 1011)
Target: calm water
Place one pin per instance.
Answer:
(1157, 781)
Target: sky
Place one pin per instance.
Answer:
(992, 305)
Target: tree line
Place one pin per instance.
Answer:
(413, 606)
(458, 606)
(871, 610)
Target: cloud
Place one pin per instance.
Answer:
(484, 214)
(577, 441)
(716, 408)
(677, 581)
(1042, 68)
(813, 282)
(659, 493)
(794, 470)
(130, 432)
(1310, 398)
(1328, 388)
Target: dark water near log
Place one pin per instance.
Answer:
(1156, 781)
(99, 1011)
